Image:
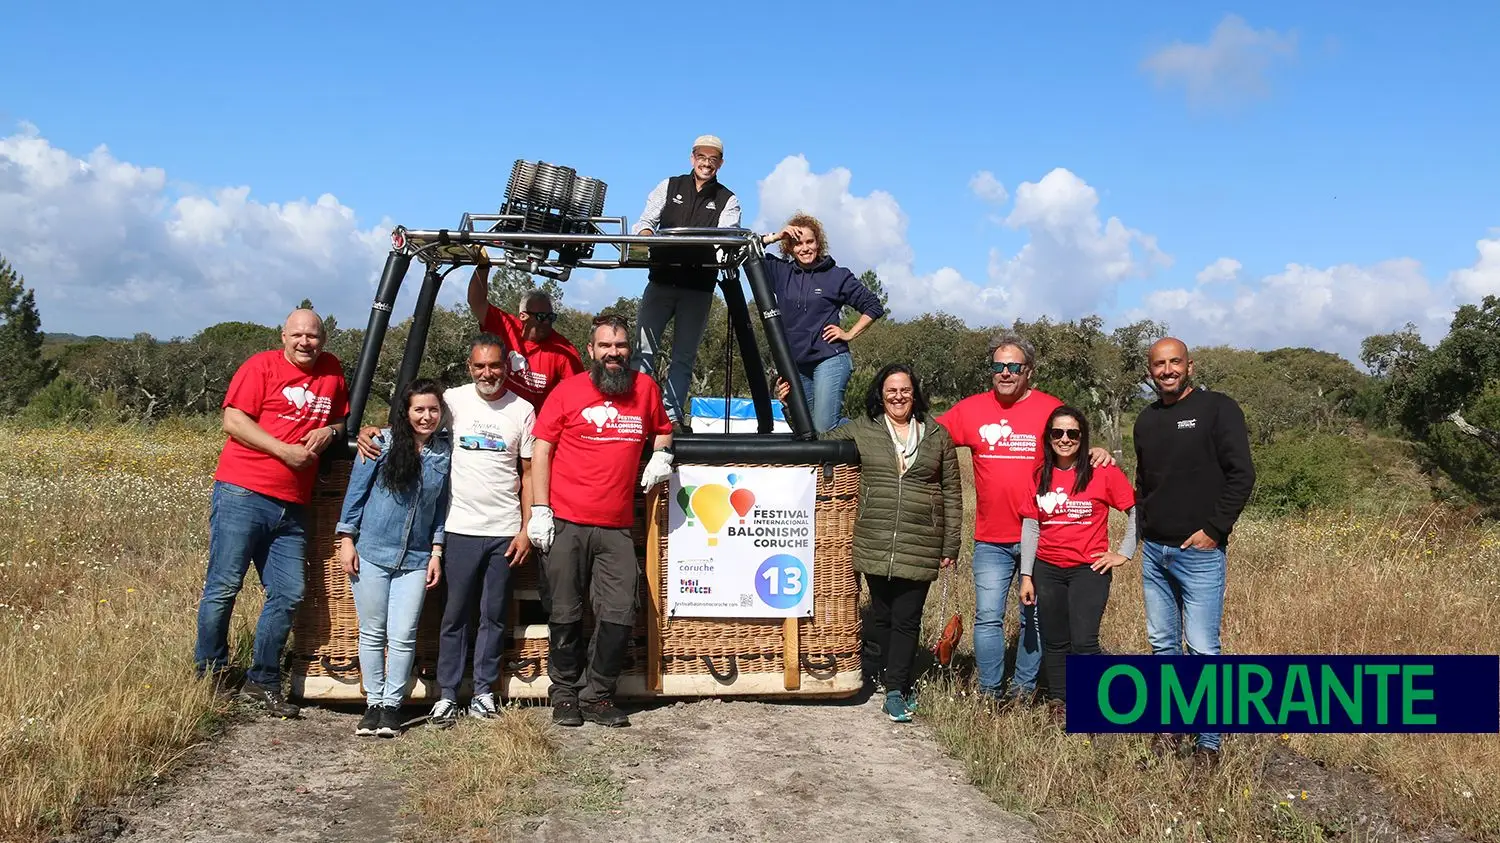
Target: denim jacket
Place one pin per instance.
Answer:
(397, 530)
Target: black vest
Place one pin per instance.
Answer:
(687, 207)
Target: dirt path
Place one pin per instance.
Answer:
(265, 779)
(690, 771)
(724, 770)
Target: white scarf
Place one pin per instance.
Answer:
(908, 449)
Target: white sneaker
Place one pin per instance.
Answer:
(483, 707)
(444, 714)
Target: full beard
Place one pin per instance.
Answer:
(612, 382)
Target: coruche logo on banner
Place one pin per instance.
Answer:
(740, 542)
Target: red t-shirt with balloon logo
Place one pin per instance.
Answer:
(597, 444)
(1006, 442)
(1075, 525)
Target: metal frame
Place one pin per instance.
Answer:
(444, 250)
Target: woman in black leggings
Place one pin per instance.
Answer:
(1066, 562)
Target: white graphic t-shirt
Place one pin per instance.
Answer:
(489, 438)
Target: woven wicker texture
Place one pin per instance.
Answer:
(325, 640)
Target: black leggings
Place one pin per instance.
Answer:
(893, 624)
(1070, 605)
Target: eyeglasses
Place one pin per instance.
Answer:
(1013, 368)
(541, 316)
(1071, 434)
(898, 393)
(707, 159)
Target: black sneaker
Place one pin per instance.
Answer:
(369, 723)
(391, 722)
(268, 700)
(604, 713)
(226, 682)
(566, 713)
(444, 714)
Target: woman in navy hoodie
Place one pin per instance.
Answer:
(812, 292)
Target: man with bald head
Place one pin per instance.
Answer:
(282, 410)
(1193, 478)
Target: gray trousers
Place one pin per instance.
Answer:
(688, 311)
(597, 563)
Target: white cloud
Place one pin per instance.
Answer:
(1068, 243)
(1332, 309)
(1233, 65)
(1220, 271)
(1483, 278)
(113, 248)
(869, 232)
(987, 187)
(1073, 261)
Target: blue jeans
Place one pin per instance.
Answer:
(996, 566)
(823, 383)
(389, 604)
(1184, 592)
(688, 311)
(246, 527)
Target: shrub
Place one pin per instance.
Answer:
(63, 401)
(1302, 470)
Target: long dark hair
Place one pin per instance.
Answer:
(1082, 468)
(875, 399)
(403, 465)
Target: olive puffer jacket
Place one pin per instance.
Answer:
(907, 522)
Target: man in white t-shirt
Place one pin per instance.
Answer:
(489, 503)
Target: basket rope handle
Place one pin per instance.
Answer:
(341, 668)
(519, 668)
(825, 670)
(723, 678)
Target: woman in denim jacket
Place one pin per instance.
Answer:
(390, 542)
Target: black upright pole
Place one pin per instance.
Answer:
(755, 370)
(781, 350)
(369, 354)
(416, 341)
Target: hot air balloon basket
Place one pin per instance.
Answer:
(816, 656)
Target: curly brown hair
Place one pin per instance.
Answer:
(810, 222)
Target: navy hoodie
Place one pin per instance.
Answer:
(814, 297)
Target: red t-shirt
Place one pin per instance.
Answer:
(597, 444)
(1007, 443)
(536, 368)
(1075, 526)
(287, 403)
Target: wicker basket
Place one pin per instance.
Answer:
(681, 657)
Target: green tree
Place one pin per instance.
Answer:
(23, 370)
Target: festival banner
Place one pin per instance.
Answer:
(741, 542)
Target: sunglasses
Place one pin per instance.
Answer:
(541, 316)
(1073, 435)
(1013, 368)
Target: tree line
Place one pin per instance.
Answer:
(1323, 429)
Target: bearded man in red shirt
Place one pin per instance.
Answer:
(283, 408)
(590, 438)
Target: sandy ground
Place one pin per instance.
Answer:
(726, 770)
(705, 770)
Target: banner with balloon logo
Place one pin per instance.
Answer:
(740, 542)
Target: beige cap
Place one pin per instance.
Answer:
(710, 141)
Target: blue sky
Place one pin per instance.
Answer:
(1359, 147)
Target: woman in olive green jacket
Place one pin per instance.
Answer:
(910, 514)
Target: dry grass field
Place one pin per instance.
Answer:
(103, 538)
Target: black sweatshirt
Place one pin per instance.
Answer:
(1193, 468)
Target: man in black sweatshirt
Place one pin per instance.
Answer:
(1193, 478)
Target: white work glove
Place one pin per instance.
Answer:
(539, 529)
(657, 470)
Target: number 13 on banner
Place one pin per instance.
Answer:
(780, 581)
